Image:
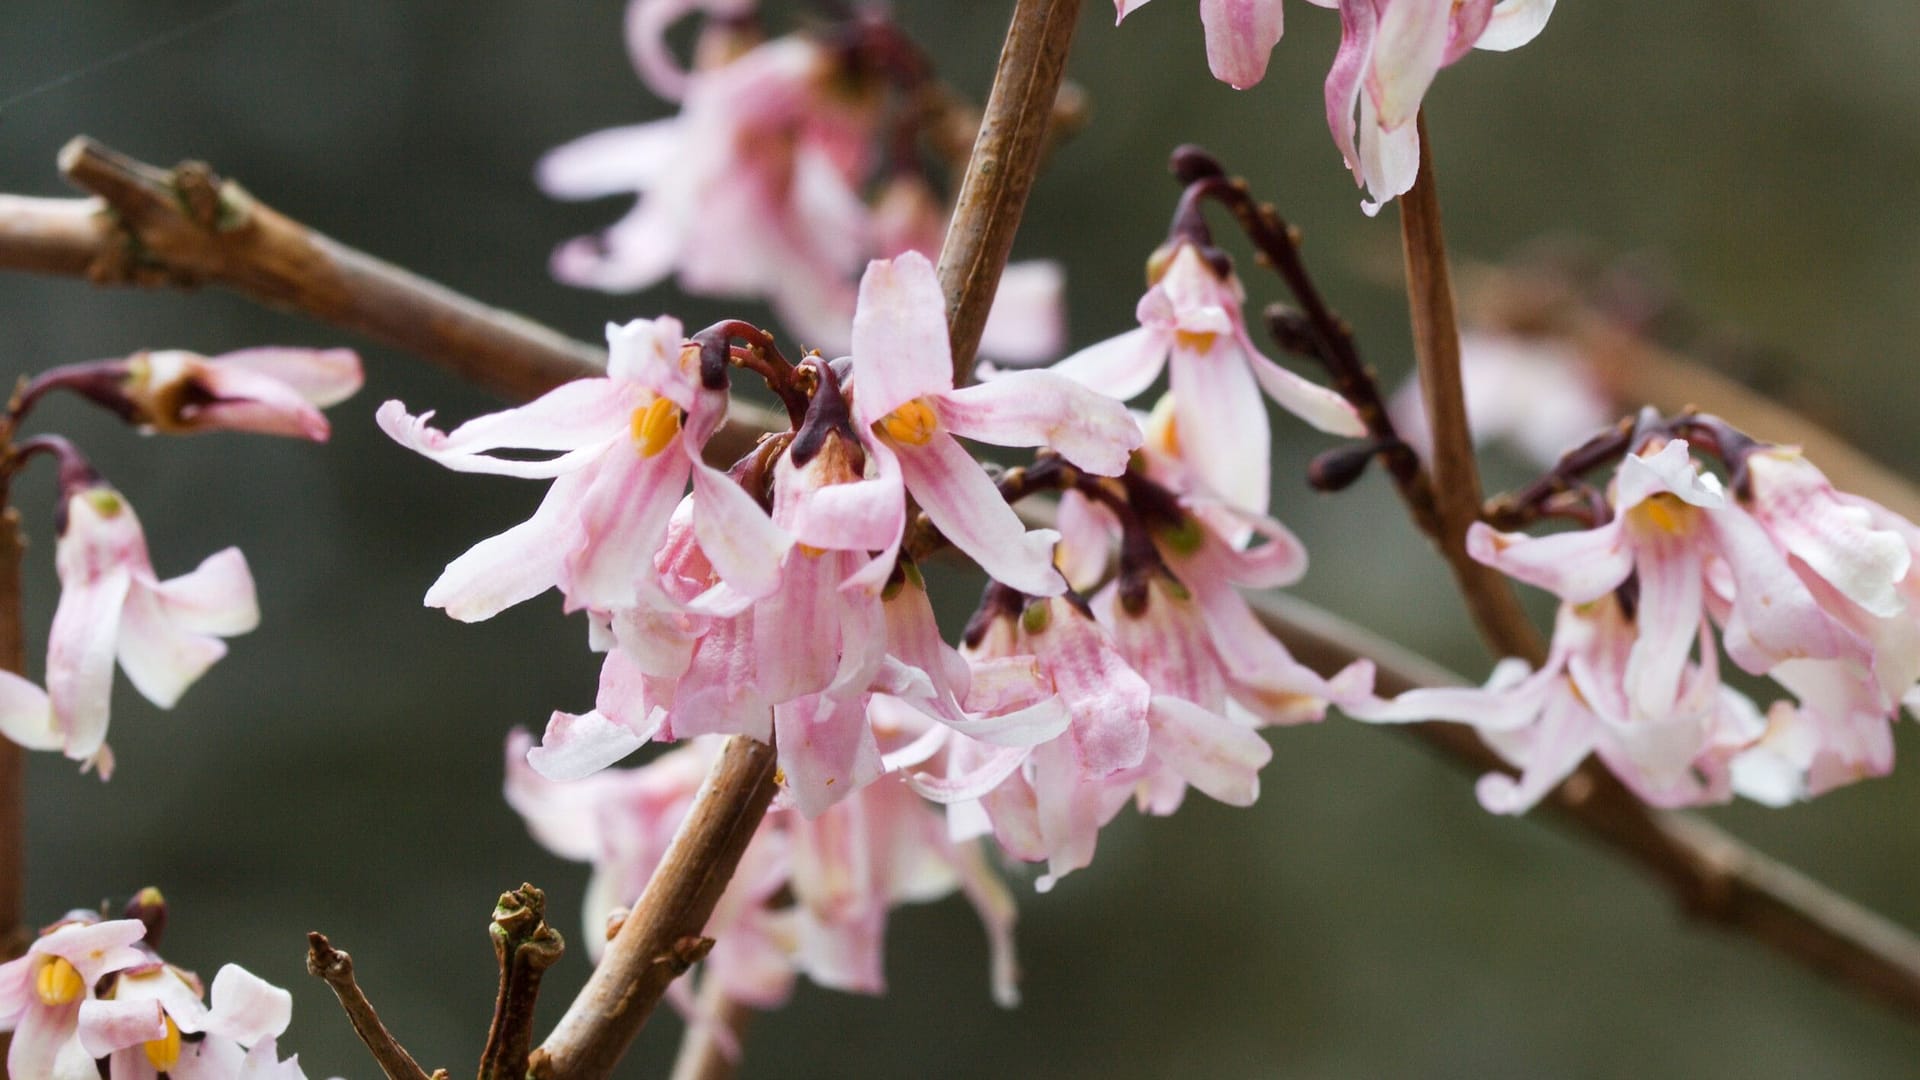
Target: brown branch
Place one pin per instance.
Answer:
(1714, 877)
(704, 1049)
(661, 938)
(526, 947)
(51, 236)
(993, 194)
(187, 227)
(1490, 597)
(336, 967)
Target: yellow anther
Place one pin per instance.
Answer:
(105, 501)
(1163, 433)
(1194, 341)
(913, 423)
(164, 1052)
(1667, 512)
(58, 982)
(655, 425)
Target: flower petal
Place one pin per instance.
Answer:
(581, 418)
(1514, 23)
(323, 377)
(518, 564)
(1221, 422)
(1318, 405)
(1214, 754)
(247, 1008)
(80, 650)
(160, 658)
(610, 162)
(967, 508)
(1120, 367)
(1577, 566)
(1241, 35)
(900, 346)
(579, 746)
(1041, 408)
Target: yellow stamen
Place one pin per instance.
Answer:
(913, 423)
(655, 425)
(1194, 341)
(1163, 433)
(1666, 511)
(164, 1052)
(58, 982)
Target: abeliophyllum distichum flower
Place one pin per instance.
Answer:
(93, 1000)
(114, 608)
(1809, 586)
(784, 599)
(793, 162)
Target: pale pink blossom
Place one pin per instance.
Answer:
(43, 992)
(1192, 322)
(1582, 701)
(908, 411)
(139, 1026)
(811, 896)
(752, 191)
(165, 634)
(1390, 52)
(624, 448)
(1691, 552)
(1240, 35)
(1542, 397)
(264, 391)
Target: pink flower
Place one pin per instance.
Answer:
(1541, 397)
(907, 412)
(266, 391)
(754, 190)
(1191, 320)
(140, 1026)
(42, 993)
(1690, 553)
(1582, 701)
(165, 634)
(627, 445)
(1392, 49)
(810, 896)
(1240, 35)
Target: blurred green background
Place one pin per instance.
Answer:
(341, 770)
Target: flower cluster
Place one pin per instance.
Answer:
(92, 999)
(113, 606)
(1806, 585)
(783, 600)
(758, 188)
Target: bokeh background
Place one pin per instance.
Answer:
(341, 770)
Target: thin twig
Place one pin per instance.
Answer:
(1714, 877)
(1490, 597)
(336, 967)
(710, 1048)
(661, 938)
(525, 947)
(1006, 155)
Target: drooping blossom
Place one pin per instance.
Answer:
(1390, 52)
(1541, 397)
(42, 992)
(908, 411)
(811, 896)
(151, 1023)
(1582, 702)
(1240, 35)
(757, 189)
(164, 634)
(263, 391)
(1807, 585)
(625, 446)
(752, 191)
(1191, 321)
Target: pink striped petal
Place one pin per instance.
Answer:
(744, 545)
(1120, 367)
(80, 650)
(322, 377)
(1667, 616)
(1241, 35)
(1557, 747)
(217, 597)
(580, 418)
(518, 564)
(967, 508)
(1407, 55)
(1222, 423)
(160, 658)
(900, 347)
(1041, 408)
(1214, 754)
(1577, 566)
(106, 1026)
(1319, 406)
(826, 749)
